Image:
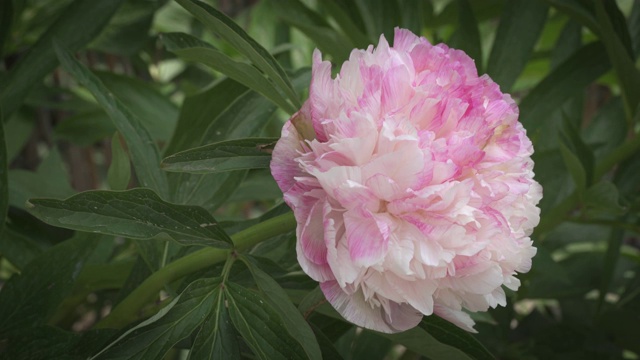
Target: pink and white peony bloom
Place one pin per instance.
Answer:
(411, 181)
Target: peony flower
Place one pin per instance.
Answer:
(411, 181)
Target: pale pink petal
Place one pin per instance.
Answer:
(354, 308)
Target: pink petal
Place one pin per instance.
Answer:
(397, 318)
(367, 237)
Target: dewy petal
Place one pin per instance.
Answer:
(354, 308)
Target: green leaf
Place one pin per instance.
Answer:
(415, 14)
(292, 320)
(217, 337)
(316, 27)
(241, 41)
(196, 112)
(137, 213)
(27, 184)
(155, 111)
(30, 298)
(18, 248)
(380, 17)
(245, 117)
(20, 126)
(88, 15)
(239, 154)
(467, 35)
(152, 338)
(191, 49)
(449, 334)
(570, 137)
(568, 42)
(259, 185)
(86, 128)
(346, 23)
(572, 76)
(574, 165)
(119, 172)
(261, 326)
(128, 31)
(144, 153)
(422, 342)
(604, 197)
(579, 12)
(4, 180)
(520, 26)
(623, 63)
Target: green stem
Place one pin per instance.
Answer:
(129, 309)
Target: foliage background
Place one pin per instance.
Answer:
(150, 83)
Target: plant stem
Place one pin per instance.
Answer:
(129, 309)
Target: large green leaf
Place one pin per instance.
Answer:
(572, 76)
(241, 41)
(144, 153)
(152, 338)
(239, 154)
(520, 26)
(447, 333)
(192, 49)
(620, 56)
(88, 15)
(30, 298)
(137, 213)
(261, 326)
(293, 321)
(217, 337)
